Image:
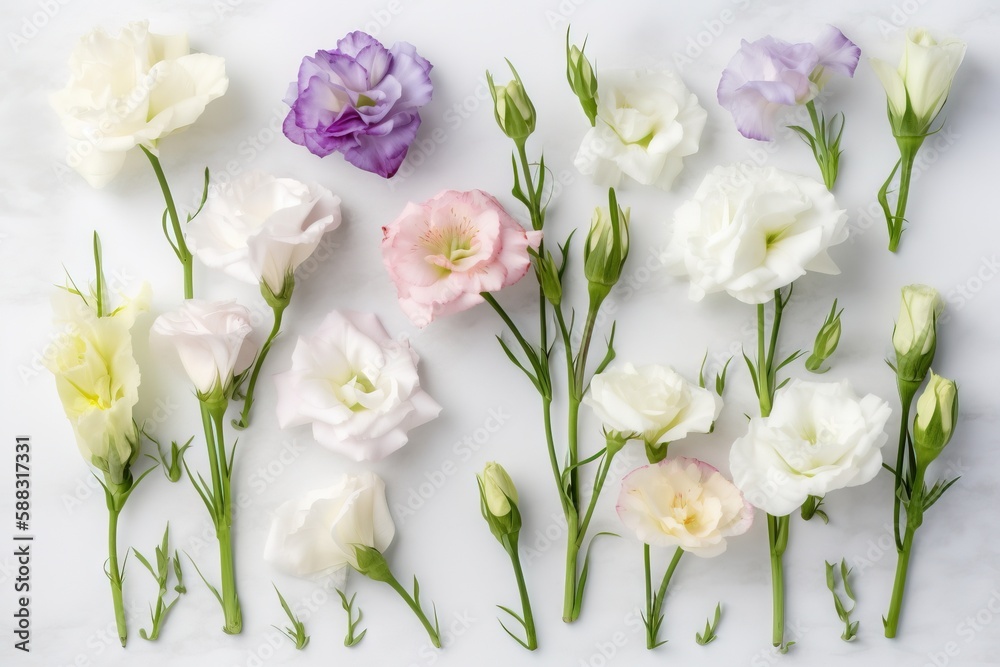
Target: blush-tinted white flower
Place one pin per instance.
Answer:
(210, 339)
(683, 503)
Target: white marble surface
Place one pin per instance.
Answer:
(48, 214)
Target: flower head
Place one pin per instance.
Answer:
(97, 378)
(498, 488)
(769, 75)
(652, 402)
(357, 387)
(647, 123)
(937, 415)
(360, 99)
(915, 335)
(819, 437)
(750, 231)
(259, 228)
(442, 254)
(131, 89)
(210, 339)
(606, 248)
(316, 534)
(581, 78)
(919, 87)
(514, 112)
(684, 503)
(498, 501)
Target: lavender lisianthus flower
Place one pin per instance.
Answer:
(361, 100)
(769, 74)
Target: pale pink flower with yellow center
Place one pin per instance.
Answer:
(444, 253)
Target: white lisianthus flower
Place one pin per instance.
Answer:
(358, 388)
(647, 123)
(683, 503)
(314, 535)
(97, 378)
(210, 338)
(653, 402)
(129, 90)
(923, 79)
(819, 437)
(749, 231)
(259, 228)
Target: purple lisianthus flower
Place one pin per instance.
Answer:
(361, 100)
(770, 74)
(837, 55)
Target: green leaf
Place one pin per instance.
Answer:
(709, 635)
(516, 362)
(753, 374)
(609, 356)
(934, 494)
(297, 632)
(352, 623)
(883, 199)
(142, 559)
(204, 197)
(720, 379)
(845, 577)
(564, 250)
(212, 588)
(578, 602)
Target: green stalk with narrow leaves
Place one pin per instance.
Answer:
(604, 257)
(764, 373)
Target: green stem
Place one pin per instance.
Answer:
(522, 588)
(650, 635)
(570, 590)
(777, 533)
(213, 462)
(230, 599)
(601, 477)
(655, 611)
(914, 517)
(581, 357)
(534, 209)
(908, 155)
(764, 394)
(907, 390)
(115, 575)
(899, 585)
(180, 247)
(244, 419)
(575, 377)
(412, 604)
(573, 450)
(766, 370)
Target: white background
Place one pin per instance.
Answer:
(48, 214)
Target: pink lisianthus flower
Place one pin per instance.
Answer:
(444, 253)
(769, 74)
